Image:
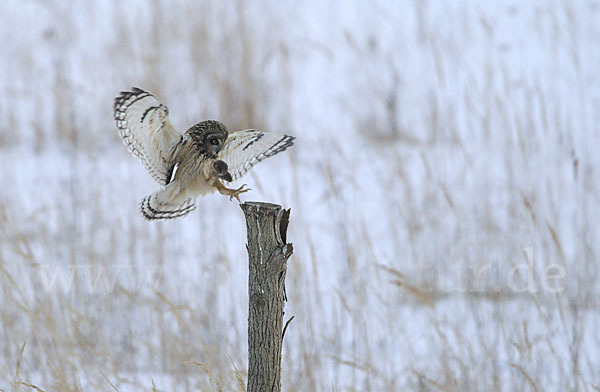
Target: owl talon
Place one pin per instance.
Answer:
(236, 192)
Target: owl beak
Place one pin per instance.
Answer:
(214, 149)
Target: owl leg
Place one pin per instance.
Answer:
(230, 192)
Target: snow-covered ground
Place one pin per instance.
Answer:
(444, 189)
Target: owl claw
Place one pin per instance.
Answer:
(231, 192)
(236, 192)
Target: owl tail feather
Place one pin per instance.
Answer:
(154, 207)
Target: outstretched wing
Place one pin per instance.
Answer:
(244, 149)
(145, 128)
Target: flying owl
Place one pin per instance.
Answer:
(191, 164)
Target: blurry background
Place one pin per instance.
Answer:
(442, 147)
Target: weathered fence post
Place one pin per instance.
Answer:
(267, 253)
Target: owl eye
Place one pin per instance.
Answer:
(214, 142)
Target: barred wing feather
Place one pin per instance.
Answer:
(244, 149)
(145, 128)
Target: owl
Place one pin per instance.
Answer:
(191, 164)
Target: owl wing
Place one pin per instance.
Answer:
(145, 128)
(244, 149)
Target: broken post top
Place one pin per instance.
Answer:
(261, 209)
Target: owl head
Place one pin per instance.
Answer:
(208, 136)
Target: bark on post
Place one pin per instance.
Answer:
(268, 253)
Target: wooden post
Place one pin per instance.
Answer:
(267, 253)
